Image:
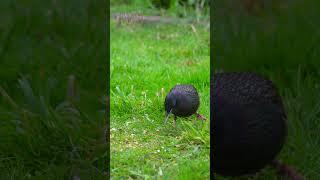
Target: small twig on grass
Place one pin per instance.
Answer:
(6, 96)
(71, 88)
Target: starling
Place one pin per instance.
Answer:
(249, 127)
(182, 101)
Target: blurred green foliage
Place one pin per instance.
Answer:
(41, 133)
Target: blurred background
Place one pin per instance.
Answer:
(52, 88)
(278, 39)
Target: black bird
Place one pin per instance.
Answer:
(249, 123)
(182, 101)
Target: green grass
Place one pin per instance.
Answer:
(282, 46)
(42, 134)
(146, 61)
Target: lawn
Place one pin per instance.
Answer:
(147, 60)
(44, 133)
(281, 42)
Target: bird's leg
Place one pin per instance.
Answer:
(286, 170)
(175, 121)
(199, 116)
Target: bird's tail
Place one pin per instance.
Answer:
(286, 170)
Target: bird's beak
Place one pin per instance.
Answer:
(167, 116)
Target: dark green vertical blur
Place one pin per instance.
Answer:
(42, 133)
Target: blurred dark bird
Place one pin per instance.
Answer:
(249, 123)
(182, 101)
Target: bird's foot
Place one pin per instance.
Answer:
(175, 121)
(286, 170)
(199, 116)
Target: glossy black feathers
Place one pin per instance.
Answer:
(183, 100)
(249, 123)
